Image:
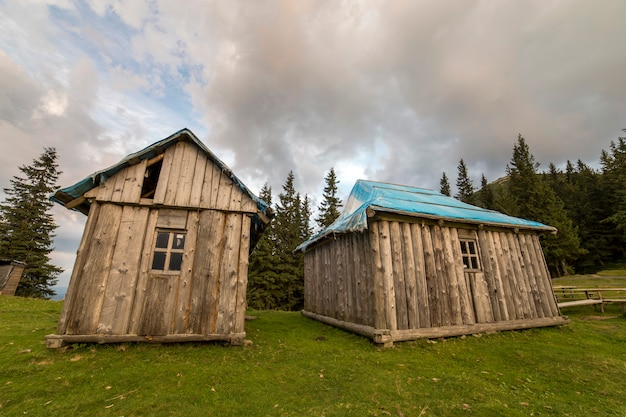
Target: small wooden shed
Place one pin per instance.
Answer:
(164, 254)
(10, 276)
(403, 263)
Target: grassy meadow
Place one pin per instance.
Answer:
(299, 367)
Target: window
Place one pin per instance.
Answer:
(151, 178)
(169, 247)
(469, 253)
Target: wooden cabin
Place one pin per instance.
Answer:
(10, 276)
(403, 263)
(164, 254)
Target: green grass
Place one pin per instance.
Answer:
(299, 367)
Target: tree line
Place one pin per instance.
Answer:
(586, 205)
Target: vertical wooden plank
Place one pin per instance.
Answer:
(133, 182)
(457, 316)
(224, 193)
(529, 270)
(442, 277)
(432, 279)
(410, 279)
(388, 271)
(216, 180)
(492, 275)
(242, 275)
(421, 286)
(207, 185)
(508, 278)
(82, 255)
(521, 277)
(378, 288)
(106, 189)
(186, 174)
(229, 262)
(174, 174)
(126, 258)
(185, 284)
(164, 175)
(465, 299)
(141, 287)
(398, 276)
(88, 301)
(339, 280)
(544, 281)
(198, 180)
(119, 179)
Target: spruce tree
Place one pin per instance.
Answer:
(330, 205)
(444, 185)
(289, 266)
(27, 226)
(465, 188)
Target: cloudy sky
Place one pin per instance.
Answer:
(395, 91)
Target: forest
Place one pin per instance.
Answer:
(587, 205)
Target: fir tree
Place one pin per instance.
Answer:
(465, 188)
(330, 205)
(484, 197)
(27, 226)
(444, 185)
(614, 191)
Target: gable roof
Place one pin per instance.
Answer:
(72, 196)
(415, 202)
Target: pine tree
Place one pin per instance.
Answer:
(465, 188)
(444, 185)
(27, 226)
(330, 205)
(533, 199)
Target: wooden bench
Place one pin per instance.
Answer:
(573, 297)
(569, 296)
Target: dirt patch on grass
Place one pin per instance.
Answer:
(597, 318)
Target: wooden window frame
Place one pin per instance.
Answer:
(168, 251)
(471, 261)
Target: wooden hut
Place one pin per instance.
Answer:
(164, 254)
(402, 263)
(10, 276)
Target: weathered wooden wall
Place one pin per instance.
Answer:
(188, 179)
(412, 277)
(113, 290)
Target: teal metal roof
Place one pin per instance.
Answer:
(73, 192)
(416, 202)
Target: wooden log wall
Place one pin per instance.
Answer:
(338, 281)
(187, 179)
(415, 278)
(114, 292)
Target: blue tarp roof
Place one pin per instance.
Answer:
(412, 201)
(73, 192)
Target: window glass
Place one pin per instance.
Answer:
(162, 240)
(179, 241)
(176, 261)
(158, 261)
